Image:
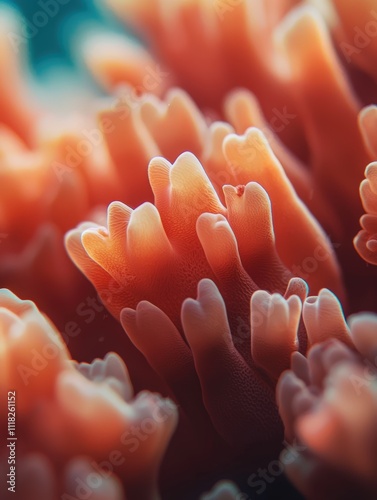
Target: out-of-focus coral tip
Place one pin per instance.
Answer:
(288, 389)
(300, 368)
(295, 30)
(10, 301)
(80, 469)
(241, 149)
(224, 490)
(371, 174)
(110, 370)
(115, 60)
(10, 324)
(368, 128)
(361, 244)
(365, 240)
(372, 243)
(317, 428)
(363, 327)
(243, 110)
(368, 118)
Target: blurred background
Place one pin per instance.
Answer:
(53, 33)
(55, 42)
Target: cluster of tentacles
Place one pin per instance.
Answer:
(231, 158)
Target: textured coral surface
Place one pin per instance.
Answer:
(180, 254)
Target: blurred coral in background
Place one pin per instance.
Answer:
(189, 233)
(328, 401)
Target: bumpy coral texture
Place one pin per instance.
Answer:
(313, 76)
(231, 153)
(150, 263)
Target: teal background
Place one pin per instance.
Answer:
(53, 42)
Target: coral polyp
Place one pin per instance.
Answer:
(188, 256)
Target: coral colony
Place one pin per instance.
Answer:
(188, 264)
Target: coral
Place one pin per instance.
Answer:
(223, 490)
(355, 32)
(38, 480)
(326, 156)
(365, 241)
(61, 405)
(149, 263)
(294, 48)
(229, 150)
(17, 112)
(197, 38)
(182, 226)
(328, 402)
